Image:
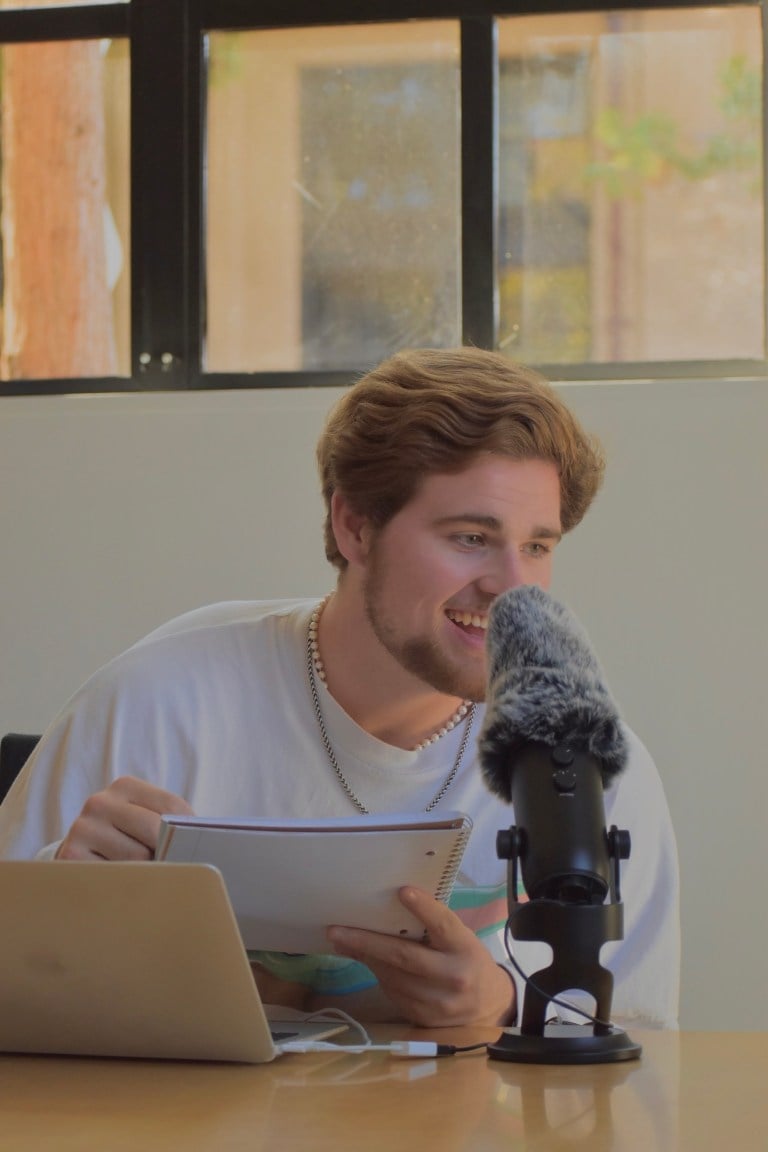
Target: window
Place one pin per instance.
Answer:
(332, 225)
(631, 190)
(242, 193)
(65, 217)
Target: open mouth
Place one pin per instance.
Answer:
(474, 623)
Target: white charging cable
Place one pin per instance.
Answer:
(408, 1049)
(404, 1048)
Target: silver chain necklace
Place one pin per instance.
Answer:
(332, 755)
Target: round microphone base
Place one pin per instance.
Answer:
(565, 1044)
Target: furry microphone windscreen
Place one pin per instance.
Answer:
(544, 685)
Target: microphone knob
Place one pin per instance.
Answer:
(509, 843)
(564, 779)
(619, 843)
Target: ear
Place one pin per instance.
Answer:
(352, 530)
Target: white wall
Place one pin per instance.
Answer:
(118, 512)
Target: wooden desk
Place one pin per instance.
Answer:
(690, 1091)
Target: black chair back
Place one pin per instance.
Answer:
(15, 750)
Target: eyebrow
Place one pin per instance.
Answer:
(493, 524)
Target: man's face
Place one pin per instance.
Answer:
(433, 570)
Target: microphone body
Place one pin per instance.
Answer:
(557, 796)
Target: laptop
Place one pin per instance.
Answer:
(130, 960)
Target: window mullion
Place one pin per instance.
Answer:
(479, 168)
(159, 193)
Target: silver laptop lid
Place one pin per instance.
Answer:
(125, 959)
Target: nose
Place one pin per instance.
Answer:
(505, 570)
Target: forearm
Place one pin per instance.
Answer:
(274, 990)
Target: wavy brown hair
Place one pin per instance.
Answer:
(429, 410)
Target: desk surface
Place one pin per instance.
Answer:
(690, 1091)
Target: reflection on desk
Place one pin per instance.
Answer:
(690, 1091)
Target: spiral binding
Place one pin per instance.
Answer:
(448, 878)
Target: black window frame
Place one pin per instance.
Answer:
(167, 41)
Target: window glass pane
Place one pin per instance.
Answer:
(333, 215)
(631, 187)
(64, 223)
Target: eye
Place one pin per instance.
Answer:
(470, 540)
(536, 548)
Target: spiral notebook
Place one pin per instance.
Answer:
(288, 881)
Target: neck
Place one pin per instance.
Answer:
(381, 697)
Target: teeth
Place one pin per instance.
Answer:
(467, 618)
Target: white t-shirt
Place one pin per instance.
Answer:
(215, 706)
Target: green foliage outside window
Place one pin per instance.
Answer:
(648, 148)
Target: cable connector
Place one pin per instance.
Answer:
(427, 1048)
(415, 1049)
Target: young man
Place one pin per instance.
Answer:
(449, 477)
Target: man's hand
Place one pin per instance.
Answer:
(451, 979)
(121, 823)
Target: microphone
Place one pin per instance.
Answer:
(551, 741)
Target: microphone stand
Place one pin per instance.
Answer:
(576, 932)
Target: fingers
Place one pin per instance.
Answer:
(121, 823)
(427, 979)
(449, 978)
(444, 931)
(423, 1000)
(378, 951)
